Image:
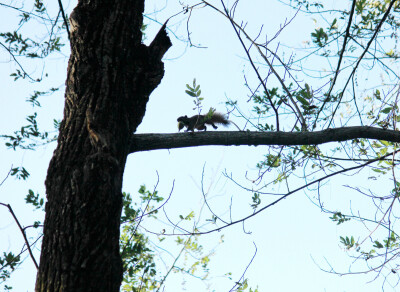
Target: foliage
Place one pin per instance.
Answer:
(34, 47)
(325, 84)
(35, 200)
(138, 252)
(322, 85)
(8, 263)
(29, 137)
(138, 259)
(194, 91)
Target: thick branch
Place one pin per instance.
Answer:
(145, 142)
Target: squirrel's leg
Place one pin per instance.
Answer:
(202, 127)
(214, 126)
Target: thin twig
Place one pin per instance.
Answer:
(289, 94)
(378, 28)
(8, 174)
(287, 195)
(173, 264)
(205, 198)
(141, 217)
(346, 36)
(64, 17)
(23, 233)
(16, 61)
(251, 261)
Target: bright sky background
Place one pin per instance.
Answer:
(293, 239)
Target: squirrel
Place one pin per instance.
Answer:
(199, 122)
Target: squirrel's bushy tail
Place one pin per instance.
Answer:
(220, 119)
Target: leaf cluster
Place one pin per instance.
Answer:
(28, 136)
(194, 91)
(8, 263)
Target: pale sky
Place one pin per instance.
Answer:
(294, 239)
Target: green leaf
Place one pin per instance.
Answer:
(190, 93)
(303, 100)
(387, 110)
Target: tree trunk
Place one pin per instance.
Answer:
(110, 77)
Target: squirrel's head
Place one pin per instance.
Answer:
(181, 119)
(180, 126)
(181, 122)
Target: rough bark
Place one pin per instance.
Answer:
(145, 142)
(110, 77)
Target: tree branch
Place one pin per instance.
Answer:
(346, 36)
(284, 196)
(28, 246)
(377, 30)
(64, 17)
(146, 142)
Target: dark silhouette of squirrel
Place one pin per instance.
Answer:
(199, 122)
